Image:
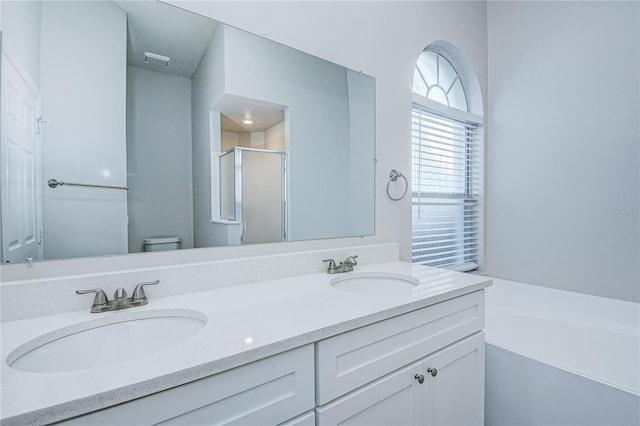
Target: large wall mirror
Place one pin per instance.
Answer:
(132, 126)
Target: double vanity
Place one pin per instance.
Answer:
(387, 343)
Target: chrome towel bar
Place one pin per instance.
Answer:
(53, 183)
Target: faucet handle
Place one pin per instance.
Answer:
(100, 299)
(139, 294)
(351, 260)
(332, 266)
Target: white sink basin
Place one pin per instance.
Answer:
(107, 340)
(375, 282)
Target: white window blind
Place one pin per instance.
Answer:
(446, 186)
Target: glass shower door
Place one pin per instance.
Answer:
(253, 192)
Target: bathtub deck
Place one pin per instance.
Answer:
(594, 337)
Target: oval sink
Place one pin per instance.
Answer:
(375, 282)
(105, 341)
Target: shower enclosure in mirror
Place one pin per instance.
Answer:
(253, 195)
(136, 94)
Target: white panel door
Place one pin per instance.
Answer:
(455, 395)
(19, 165)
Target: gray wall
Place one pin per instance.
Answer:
(522, 391)
(160, 199)
(563, 136)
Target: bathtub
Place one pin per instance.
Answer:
(560, 358)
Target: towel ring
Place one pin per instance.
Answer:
(393, 176)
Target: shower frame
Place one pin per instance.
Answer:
(237, 190)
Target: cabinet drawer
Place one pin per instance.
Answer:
(265, 392)
(306, 419)
(350, 360)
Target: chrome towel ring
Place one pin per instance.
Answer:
(393, 176)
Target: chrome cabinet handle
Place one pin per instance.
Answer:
(432, 371)
(419, 378)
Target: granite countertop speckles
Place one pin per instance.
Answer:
(277, 315)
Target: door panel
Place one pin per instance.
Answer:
(19, 165)
(455, 396)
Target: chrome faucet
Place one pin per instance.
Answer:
(346, 266)
(101, 302)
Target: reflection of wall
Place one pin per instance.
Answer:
(274, 137)
(206, 85)
(21, 31)
(81, 145)
(316, 93)
(362, 109)
(160, 199)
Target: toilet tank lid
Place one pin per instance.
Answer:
(162, 240)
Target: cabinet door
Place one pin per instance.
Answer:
(455, 395)
(392, 400)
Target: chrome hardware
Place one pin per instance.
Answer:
(100, 301)
(53, 183)
(346, 266)
(120, 300)
(332, 266)
(432, 371)
(393, 176)
(419, 378)
(139, 297)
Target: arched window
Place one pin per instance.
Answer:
(446, 167)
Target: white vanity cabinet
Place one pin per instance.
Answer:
(372, 375)
(424, 367)
(271, 391)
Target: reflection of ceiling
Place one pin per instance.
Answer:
(228, 125)
(166, 30)
(237, 108)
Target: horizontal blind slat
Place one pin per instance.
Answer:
(446, 156)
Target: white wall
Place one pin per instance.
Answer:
(21, 32)
(81, 145)
(382, 39)
(563, 164)
(160, 197)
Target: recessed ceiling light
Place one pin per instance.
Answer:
(247, 121)
(156, 59)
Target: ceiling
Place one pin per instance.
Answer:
(169, 31)
(237, 108)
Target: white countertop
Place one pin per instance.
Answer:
(277, 314)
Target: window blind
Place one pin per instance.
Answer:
(446, 190)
